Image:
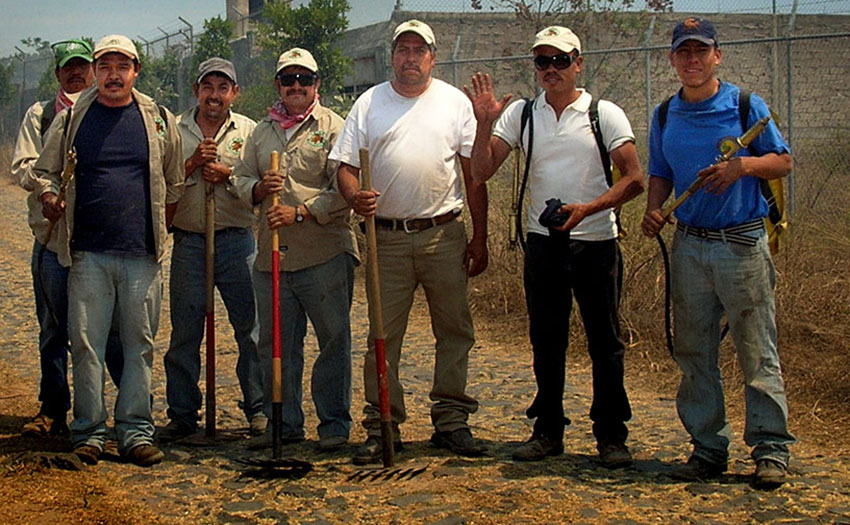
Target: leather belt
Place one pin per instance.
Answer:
(733, 234)
(415, 225)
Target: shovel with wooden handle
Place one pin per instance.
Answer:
(377, 320)
(209, 264)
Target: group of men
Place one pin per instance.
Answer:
(429, 143)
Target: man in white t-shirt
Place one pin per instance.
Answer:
(419, 131)
(581, 257)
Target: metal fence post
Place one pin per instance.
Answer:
(647, 72)
(790, 87)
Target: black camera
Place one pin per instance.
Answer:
(552, 216)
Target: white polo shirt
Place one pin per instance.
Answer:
(565, 161)
(414, 145)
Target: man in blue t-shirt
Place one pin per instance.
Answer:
(720, 259)
(128, 179)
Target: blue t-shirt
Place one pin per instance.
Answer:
(112, 212)
(689, 143)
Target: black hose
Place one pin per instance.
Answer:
(668, 323)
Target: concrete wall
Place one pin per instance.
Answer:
(820, 67)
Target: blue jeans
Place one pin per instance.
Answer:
(323, 293)
(556, 269)
(235, 252)
(98, 283)
(711, 278)
(50, 285)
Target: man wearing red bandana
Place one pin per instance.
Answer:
(318, 250)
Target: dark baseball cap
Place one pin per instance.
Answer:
(216, 65)
(698, 29)
(68, 49)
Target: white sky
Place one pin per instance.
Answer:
(56, 20)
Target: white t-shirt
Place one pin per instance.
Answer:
(413, 144)
(565, 161)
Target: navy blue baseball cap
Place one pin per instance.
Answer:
(698, 29)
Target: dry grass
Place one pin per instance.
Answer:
(813, 304)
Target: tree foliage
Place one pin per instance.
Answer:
(158, 76)
(214, 42)
(315, 27)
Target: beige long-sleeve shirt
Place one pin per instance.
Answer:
(311, 181)
(230, 211)
(165, 165)
(28, 147)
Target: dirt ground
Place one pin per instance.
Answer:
(201, 481)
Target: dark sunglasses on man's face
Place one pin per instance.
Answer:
(562, 61)
(305, 79)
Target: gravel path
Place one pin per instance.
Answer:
(201, 482)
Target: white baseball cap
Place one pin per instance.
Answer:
(297, 57)
(415, 26)
(559, 37)
(115, 44)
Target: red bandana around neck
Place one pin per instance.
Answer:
(279, 114)
(62, 101)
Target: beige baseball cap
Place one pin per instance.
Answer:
(415, 26)
(115, 44)
(297, 57)
(559, 37)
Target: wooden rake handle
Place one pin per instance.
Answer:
(376, 319)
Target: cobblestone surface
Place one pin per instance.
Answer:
(201, 480)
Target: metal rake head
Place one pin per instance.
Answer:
(275, 468)
(386, 474)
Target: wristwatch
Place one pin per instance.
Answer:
(298, 216)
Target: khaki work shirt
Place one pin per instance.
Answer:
(230, 211)
(27, 150)
(165, 165)
(310, 180)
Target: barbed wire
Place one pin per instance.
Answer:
(684, 6)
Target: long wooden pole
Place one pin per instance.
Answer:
(377, 319)
(209, 261)
(277, 372)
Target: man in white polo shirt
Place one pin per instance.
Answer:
(419, 130)
(581, 257)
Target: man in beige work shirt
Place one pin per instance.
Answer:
(213, 139)
(128, 179)
(317, 245)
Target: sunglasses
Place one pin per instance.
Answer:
(562, 61)
(305, 79)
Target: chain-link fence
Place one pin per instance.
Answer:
(683, 6)
(795, 61)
